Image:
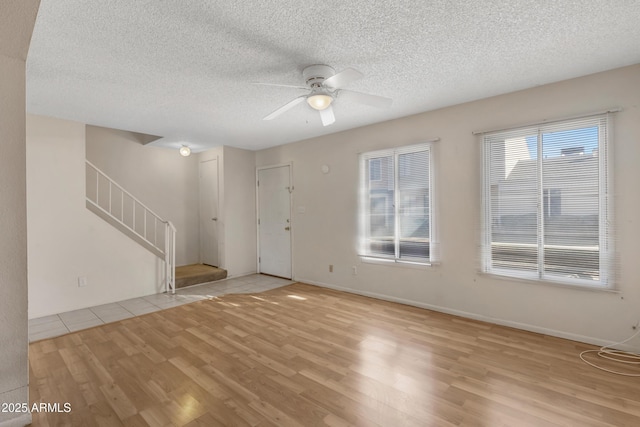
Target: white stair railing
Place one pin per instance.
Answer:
(120, 206)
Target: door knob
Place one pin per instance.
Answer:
(287, 228)
(214, 219)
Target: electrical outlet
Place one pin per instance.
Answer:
(354, 270)
(330, 268)
(82, 281)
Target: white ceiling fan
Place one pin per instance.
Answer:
(324, 87)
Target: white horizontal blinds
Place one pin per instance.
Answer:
(571, 198)
(378, 205)
(413, 205)
(513, 193)
(606, 220)
(546, 189)
(395, 204)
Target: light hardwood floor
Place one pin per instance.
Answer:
(303, 355)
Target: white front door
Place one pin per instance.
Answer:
(274, 221)
(209, 212)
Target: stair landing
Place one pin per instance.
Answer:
(194, 274)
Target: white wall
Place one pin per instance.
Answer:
(327, 232)
(162, 179)
(13, 229)
(16, 24)
(240, 211)
(65, 239)
(236, 209)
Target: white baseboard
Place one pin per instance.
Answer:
(20, 421)
(474, 316)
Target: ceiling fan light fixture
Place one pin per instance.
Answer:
(319, 101)
(185, 151)
(324, 85)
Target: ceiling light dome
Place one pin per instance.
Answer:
(185, 151)
(320, 101)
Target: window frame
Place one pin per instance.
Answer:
(605, 192)
(364, 205)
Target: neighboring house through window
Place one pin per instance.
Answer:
(395, 205)
(546, 202)
(375, 171)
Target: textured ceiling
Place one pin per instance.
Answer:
(183, 69)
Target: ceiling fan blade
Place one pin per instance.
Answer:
(365, 98)
(327, 116)
(343, 78)
(289, 105)
(279, 85)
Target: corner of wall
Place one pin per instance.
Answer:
(14, 338)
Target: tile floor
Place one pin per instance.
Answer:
(71, 321)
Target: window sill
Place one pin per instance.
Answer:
(395, 263)
(566, 285)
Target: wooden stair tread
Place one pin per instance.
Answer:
(194, 274)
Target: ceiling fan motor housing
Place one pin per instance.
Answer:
(314, 75)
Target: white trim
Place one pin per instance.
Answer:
(434, 247)
(568, 284)
(400, 147)
(396, 206)
(547, 122)
(396, 262)
(474, 316)
(489, 139)
(540, 230)
(365, 197)
(485, 206)
(220, 217)
(21, 421)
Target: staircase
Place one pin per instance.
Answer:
(121, 209)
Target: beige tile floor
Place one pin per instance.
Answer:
(71, 321)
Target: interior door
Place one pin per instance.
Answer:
(209, 212)
(274, 221)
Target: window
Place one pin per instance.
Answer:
(551, 202)
(395, 204)
(375, 170)
(545, 202)
(404, 166)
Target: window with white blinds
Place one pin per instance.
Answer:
(395, 204)
(546, 202)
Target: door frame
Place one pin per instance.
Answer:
(273, 166)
